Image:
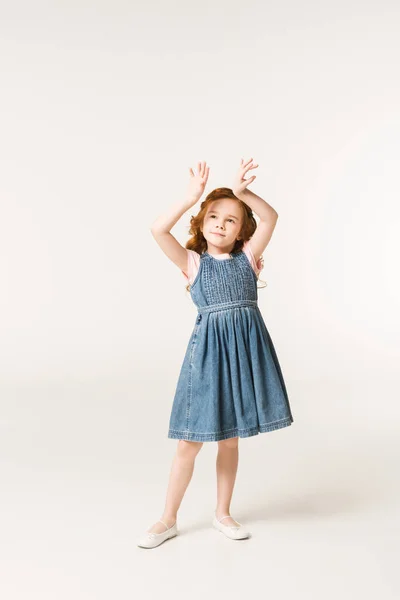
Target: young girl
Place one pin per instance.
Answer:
(230, 384)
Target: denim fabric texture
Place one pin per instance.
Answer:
(230, 383)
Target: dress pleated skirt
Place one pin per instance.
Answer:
(230, 383)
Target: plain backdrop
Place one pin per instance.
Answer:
(104, 107)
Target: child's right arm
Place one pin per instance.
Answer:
(161, 227)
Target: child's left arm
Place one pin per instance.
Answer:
(268, 215)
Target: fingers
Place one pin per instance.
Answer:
(243, 163)
(246, 166)
(201, 166)
(201, 169)
(246, 182)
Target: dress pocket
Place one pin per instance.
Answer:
(196, 327)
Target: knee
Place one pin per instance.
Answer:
(188, 449)
(230, 443)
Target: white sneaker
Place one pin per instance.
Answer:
(151, 540)
(233, 532)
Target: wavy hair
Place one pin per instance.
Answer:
(198, 242)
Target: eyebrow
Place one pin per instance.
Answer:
(214, 211)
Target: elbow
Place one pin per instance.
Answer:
(157, 231)
(153, 232)
(272, 217)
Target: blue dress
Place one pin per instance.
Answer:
(230, 383)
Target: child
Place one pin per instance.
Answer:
(230, 384)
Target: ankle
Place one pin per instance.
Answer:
(169, 519)
(222, 513)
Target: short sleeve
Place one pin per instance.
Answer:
(257, 266)
(192, 265)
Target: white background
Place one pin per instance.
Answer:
(104, 106)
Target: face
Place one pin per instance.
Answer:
(222, 224)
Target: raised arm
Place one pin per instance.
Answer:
(161, 228)
(267, 214)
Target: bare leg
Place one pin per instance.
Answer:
(227, 464)
(180, 476)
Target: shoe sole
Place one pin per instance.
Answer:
(244, 537)
(155, 546)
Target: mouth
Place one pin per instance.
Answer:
(220, 234)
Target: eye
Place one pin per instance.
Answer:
(231, 220)
(211, 216)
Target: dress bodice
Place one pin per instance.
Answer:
(221, 281)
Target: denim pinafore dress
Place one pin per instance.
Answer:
(230, 383)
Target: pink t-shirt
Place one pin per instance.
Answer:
(194, 262)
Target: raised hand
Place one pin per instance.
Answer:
(197, 182)
(240, 183)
